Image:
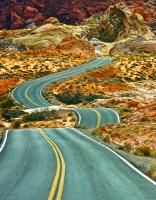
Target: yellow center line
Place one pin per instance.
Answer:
(56, 179)
(61, 185)
(27, 96)
(98, 117)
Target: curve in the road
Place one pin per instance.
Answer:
(93, 171)
(30, 95)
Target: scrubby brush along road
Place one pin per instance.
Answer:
(64, 163)
(30, 95)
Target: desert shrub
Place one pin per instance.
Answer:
(16, 124)
(121, 147)
(106, 139)
(1, 66)
(128, 94)
(125, 147)
(94, 132)
(70, 114)
(8, 114)
(33, 117)
(153, 76)
(8, 103)
(152, 172)
(75, 99)
(145, 151)
(125, 110)
(145, 119)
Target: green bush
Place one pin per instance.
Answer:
(16, 124)
(121, 147)
(8, 103)
(94, 132)
(106, 139)
(33, 117)
(125, 147)
(145, 151)
(126, 110)
(152, 172)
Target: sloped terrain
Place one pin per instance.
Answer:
(16, 14)
(129, 86)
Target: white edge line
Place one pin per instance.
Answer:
(118, 117)
(14, 97)
(123, 159)
(4, 141)
(79, 116)
(12, 93)
(48, 83)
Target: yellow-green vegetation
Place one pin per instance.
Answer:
(137, 138)
(152, 172)
(145, 150)
(51, 119)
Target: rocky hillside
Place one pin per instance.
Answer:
(118, 30)
(118, 23)
(16, 14)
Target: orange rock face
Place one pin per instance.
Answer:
(16, 14)
(75, 46)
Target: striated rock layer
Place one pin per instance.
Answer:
(16, 14)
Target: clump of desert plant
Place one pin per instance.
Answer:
(126, 110)
(94, 132)
(33, 117)
(145, 150)
(16, 124)
(125, 147)
(106, 138)
(8, 103)
(152, 172)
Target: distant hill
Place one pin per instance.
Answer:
(15, 14)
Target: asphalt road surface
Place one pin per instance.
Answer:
(40, 164)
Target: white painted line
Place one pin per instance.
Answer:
(118, 117)
(40, 109)
(123, 159)
(48, 83)
(4, 141)
(13, 93)
(79, 116)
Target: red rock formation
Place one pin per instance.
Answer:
(18, 14)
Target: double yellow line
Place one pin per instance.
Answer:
(98, 117)
(58, 183)
(27, 96)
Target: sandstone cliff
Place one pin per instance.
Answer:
(16, 14)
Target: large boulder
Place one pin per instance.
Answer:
(43, 36)
(118, 23)
(144, 46)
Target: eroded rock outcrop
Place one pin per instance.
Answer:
(118, 23)
(129, 47)
(16, 14)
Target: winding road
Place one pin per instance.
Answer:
(40, 164)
